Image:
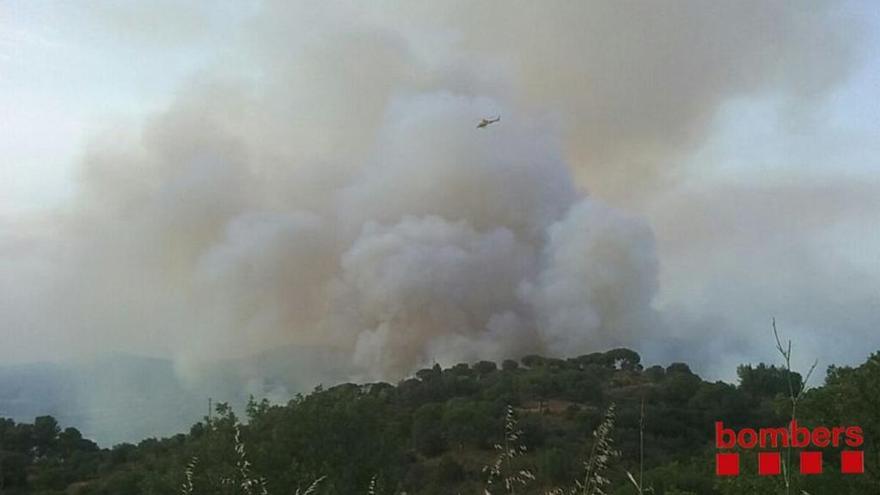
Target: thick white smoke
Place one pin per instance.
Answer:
(320, 183)
(447, 243)
(441, 243)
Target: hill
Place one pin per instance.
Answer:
(437, 432)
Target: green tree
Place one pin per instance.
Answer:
(427, 430)
(13, 470)
(766, 381)
(45, 434)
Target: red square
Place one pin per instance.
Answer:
(727, 464)
(852, 462)
(769, 463)
(811, 463)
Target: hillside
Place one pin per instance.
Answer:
(435, 433)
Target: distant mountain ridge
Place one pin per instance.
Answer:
(124, 397)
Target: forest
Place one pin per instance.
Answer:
(597, 423)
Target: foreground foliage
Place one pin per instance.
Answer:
(528, 427)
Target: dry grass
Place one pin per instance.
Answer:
(503, 474)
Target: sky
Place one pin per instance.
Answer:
(200, 180)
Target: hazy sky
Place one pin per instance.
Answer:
(736, 145)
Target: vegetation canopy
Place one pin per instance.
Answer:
(537, 425)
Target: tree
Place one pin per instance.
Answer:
(851, 396)
(427, 430)
(592, 359)
(624, 359)
(485, 367)
(461, 369)
(766, 381)
(13, 470)
(429, 374)
(532, 361)
(468, 422)
(541, 384)
(509, 365)
(679, 368)
(45, 434)
(71, 440)
(655, 373)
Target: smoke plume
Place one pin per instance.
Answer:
(319, 183)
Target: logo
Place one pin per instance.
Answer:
(769, 440)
